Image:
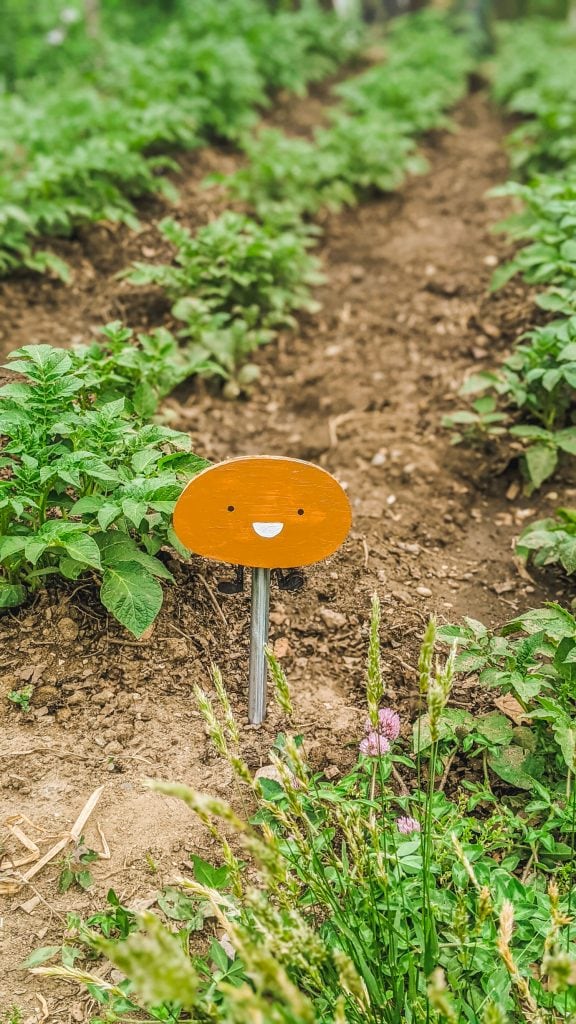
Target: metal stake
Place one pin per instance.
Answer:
(258, 639)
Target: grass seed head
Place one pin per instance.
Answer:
(426, 656)
(281, 687)
(440, 997)
(374, 682)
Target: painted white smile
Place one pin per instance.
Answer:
(268, 529)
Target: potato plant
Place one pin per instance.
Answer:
(232, 283)
(531, 397)
(87, 488)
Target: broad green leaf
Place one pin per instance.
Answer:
(511, 764)
(556, 622)
(567, 553)
(541, 461)
(565, 736)
(40, 956)
(478, 382)
(87, 504)
(177, 544)
(35, 548)
(107, 514)
(566, 440)
(11, 594)
(134, 510)
(83, 548)
(116, 547)
(502, 275)
(145, 400)
(70, 568)
(451, 719)
(495, 728)
(131, 595)
(568, 249)
(207, 874)
(11, 546)
(528, 687)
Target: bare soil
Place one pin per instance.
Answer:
(359, 388)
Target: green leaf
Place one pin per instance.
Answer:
(449, 722)
(39, 956)
(207, 874)
(502, 275)
(11, 546)
(568, 249)
(555, 621)
(107, 514)
(179, 907)
(11, 594)
(134, 511)
(510, 764)
(116, 547)
(65, 880)
(566, 440)
(87, 504)
(83, 548)
(541, 461)
(177, 544)
(35, 548)
(565, 736)
(145, 400)
(70, 568)
(496, 728)
(131, 595)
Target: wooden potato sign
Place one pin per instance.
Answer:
(267, 513)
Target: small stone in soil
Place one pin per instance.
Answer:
(333, 619)
(68, 629)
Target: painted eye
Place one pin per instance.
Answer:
(230, 508)
(300, 511)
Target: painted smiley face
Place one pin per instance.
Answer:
(265, 512)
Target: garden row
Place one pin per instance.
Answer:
(66, 508)
(531, 398)
(85, 138)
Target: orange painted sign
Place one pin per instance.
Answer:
(264, 512)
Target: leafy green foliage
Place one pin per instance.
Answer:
(424, 74)
(548, 222)
(232, 283)
(14, 1015)
(551, 541)
(348, 912)
(535, 76)
(86, 487)
(21, 698)
(532, 658)
(142, 370)
(83, 147)
(369, 146)
(75, 870)
(531, 397)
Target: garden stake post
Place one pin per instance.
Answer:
(259, 624)
(266, 513)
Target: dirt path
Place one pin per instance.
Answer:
(361, 390)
